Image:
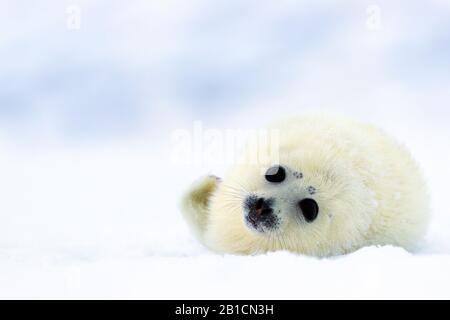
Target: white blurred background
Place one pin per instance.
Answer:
(92, 91)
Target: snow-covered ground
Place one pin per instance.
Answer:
(104, 223)
(89, 189)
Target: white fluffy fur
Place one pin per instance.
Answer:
(369, 190)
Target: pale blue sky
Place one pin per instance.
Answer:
(129, 61)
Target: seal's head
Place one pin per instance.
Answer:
(262, 213)
(311, 202)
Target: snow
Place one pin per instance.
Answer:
(88, 188)
(104, 223)
(368, 273)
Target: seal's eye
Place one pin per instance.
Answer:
(310, 209)
(275, 174)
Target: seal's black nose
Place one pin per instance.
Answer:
(259, 212)
(262, 208)
(258, 206)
